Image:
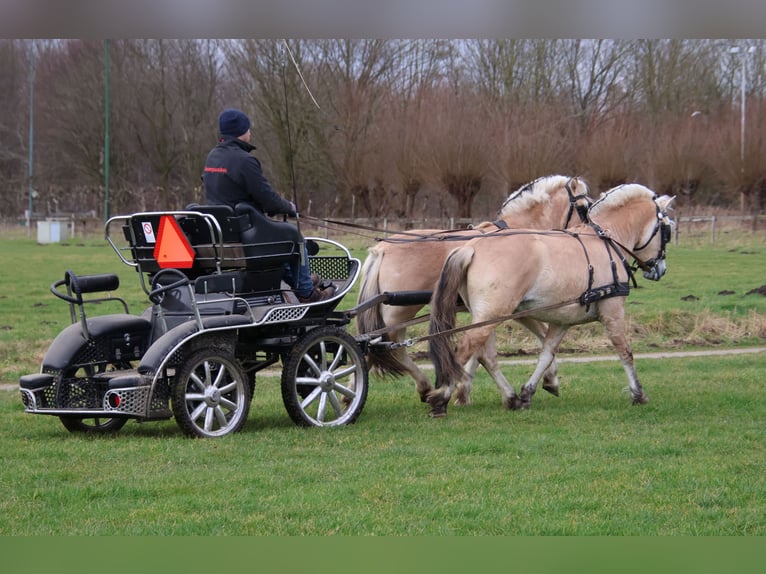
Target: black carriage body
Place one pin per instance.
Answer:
(228, 300)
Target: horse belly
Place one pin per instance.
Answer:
(533, 274)
(413, 266)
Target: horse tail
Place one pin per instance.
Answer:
(444, 304)
(371, 319)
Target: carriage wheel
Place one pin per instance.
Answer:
(95, 425)
(211, 394)
(324, 380)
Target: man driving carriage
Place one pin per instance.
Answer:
(233, 175)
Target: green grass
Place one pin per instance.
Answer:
(587, 463)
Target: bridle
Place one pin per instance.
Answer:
(653, 268)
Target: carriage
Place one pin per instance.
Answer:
(219, 314)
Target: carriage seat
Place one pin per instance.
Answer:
(269, 244)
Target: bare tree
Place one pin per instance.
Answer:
(14, 69)
(355, 76)
(458, 157)
(269, 76)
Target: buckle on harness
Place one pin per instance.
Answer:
(614, 290)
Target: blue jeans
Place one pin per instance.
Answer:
(304, 287)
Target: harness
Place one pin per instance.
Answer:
(616, 288)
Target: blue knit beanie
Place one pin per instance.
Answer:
(233, 122)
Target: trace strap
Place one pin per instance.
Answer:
(410, 342)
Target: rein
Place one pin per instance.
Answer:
(319, 221)
(413, 340)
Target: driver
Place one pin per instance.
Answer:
(232, 175)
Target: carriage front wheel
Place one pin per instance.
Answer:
(211, 394)
(324, 379)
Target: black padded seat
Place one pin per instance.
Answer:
(269, 245)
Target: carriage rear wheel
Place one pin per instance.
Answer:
(211, 394)
(94, 425)
(324, 379)
(72, 392)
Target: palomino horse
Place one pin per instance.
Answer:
(563, 278)
(413, 261)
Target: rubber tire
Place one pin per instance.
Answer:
(221, 413)
(99, 425)
(325, 368)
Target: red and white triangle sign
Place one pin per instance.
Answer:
(172, 249)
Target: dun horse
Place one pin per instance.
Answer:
(412, 262)
(563, 278)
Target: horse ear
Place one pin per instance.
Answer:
(581, 186)
(665, 202)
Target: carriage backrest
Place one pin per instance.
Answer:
(268, 243)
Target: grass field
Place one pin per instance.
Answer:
(588, 463)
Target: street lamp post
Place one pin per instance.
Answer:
(743, 116)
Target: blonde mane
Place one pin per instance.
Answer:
(618, 196)
(531, 194)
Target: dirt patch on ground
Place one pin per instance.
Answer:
(758, 291)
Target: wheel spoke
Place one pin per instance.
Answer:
(197, 381)
(309, 381)
(197, 413)
(336, 359)
(322, 407)
(220, 416)
(312, 364)
(219, 378)
(209, 416)
(347, 392)
(232, 406)
(311, 398)
(228, 388)
(345, 372)
(335, 404)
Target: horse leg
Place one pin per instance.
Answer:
(547, 356)
(612, 316)
(463, 392)
(488, 359)
(470, 344)
(401, 361)
(422, 383)
(550, 376)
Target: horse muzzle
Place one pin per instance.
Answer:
(656, 270)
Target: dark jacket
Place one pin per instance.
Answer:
(233, 176)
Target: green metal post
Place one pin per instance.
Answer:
(31, 130)
(106, 130)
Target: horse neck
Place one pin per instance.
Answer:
(620, 228)
(541, 216)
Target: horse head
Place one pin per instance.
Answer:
(636, 218)
(549, 202)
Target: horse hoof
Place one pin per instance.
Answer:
(642, 400)
(516, 404)
(552, 390)
(438, 413)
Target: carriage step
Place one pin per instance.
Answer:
(125, 379)
(36, 382)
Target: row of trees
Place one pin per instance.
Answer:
(396, 128)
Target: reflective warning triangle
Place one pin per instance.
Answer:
(172, 248)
